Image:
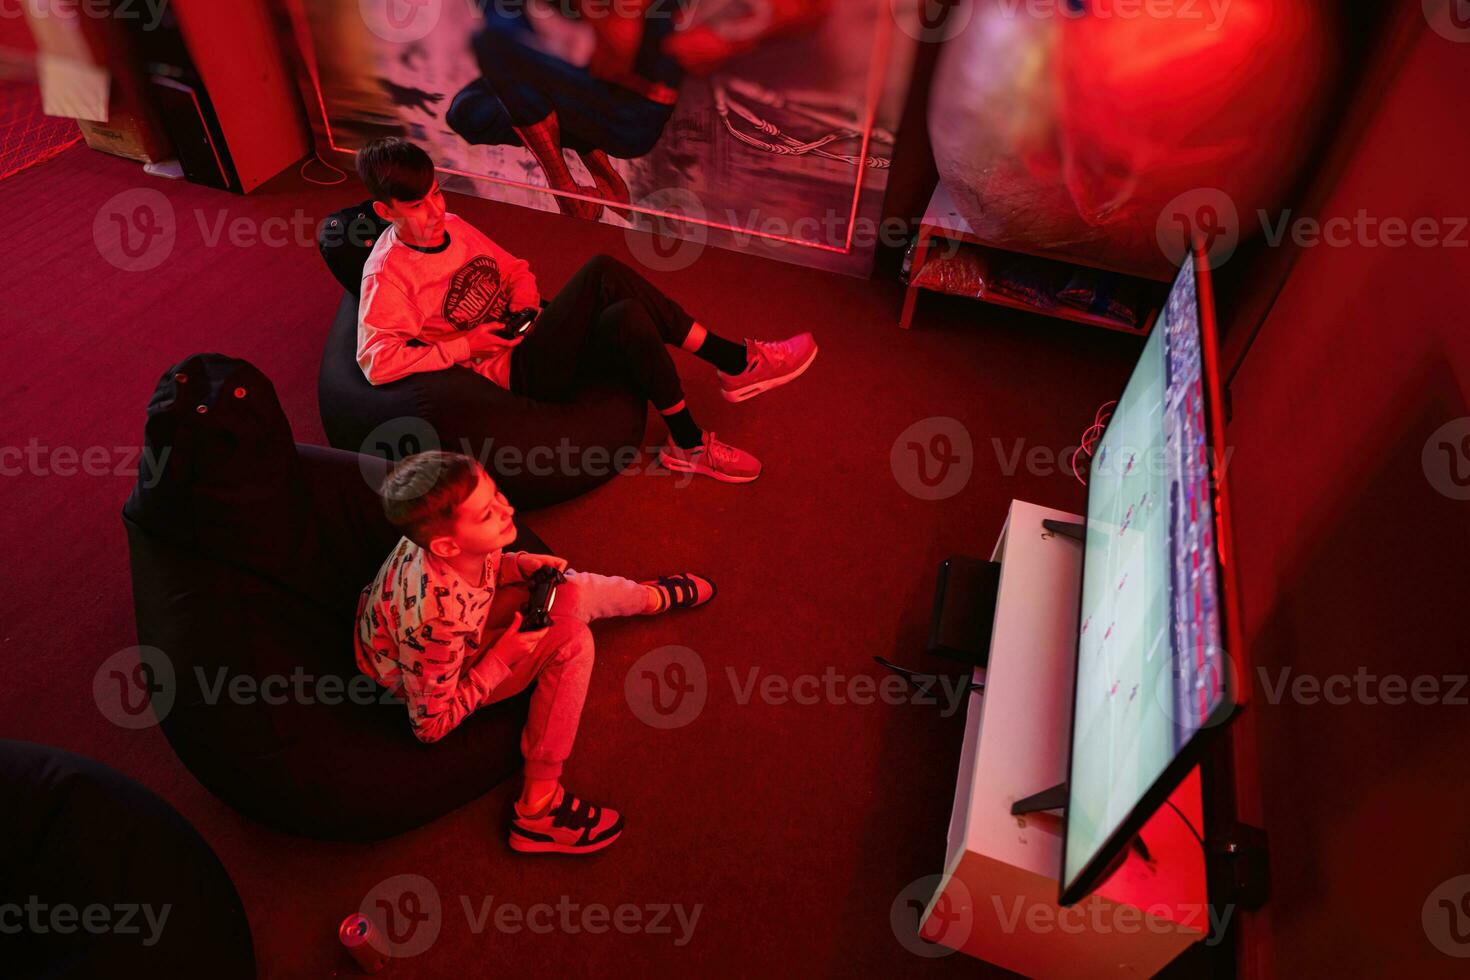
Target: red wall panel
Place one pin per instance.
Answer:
(1353, 563)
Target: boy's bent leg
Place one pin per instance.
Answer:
(626, 337)
(587, 596)
(674, 325)
(600, 596)
(546, 364)
(620, 282)
(560, 667)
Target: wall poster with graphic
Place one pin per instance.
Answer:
(762, 125)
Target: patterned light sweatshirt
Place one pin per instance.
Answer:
(417, 303)
(422, 633)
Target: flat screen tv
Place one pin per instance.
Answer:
(1158, 605)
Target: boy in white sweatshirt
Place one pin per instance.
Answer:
(436, 293)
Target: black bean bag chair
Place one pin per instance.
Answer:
(104, 879)
(248, 555)
(540, 453)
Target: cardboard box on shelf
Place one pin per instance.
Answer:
(126, 135)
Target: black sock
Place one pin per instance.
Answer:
(681, 425)
(724, 354)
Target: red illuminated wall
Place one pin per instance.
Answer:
(1351, 560)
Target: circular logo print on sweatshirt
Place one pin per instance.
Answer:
(474, 295)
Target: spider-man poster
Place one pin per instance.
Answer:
(764, 125)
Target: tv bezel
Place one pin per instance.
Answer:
(1101, 865)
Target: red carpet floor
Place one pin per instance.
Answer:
(792, 827)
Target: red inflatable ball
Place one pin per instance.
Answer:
(1108, 134)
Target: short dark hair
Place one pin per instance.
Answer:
(395, 170)
(421, 494)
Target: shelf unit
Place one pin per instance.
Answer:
(942, 222)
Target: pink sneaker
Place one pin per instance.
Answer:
(683, 591)
(771, 365)
(714, 458)
(569, 826)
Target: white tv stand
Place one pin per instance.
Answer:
(997, 899)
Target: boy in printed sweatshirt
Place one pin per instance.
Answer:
(436, 293)
(440, 627)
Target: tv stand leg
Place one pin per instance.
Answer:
(1053, 798)
(1076, 532)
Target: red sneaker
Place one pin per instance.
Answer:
(683, 591)
(569, 826)
(772, 364)
(715, 459)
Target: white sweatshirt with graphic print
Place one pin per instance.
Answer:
(417, 304)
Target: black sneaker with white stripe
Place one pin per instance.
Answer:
(569, 826)
(683, 591)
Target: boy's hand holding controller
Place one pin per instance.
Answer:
(528, 564)
(486, 339)
(500, 334)
(513, 644)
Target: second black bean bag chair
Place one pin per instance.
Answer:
(104, 879)
(248, 555)
(541, 453)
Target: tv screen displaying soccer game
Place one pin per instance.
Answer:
(1150, 663)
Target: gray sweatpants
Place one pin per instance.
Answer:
(561, 664)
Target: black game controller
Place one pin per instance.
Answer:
(542, 583)
(517, 324)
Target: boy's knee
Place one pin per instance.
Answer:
(602, 263)
(636, 326)
(573, 639)
(571, 601)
